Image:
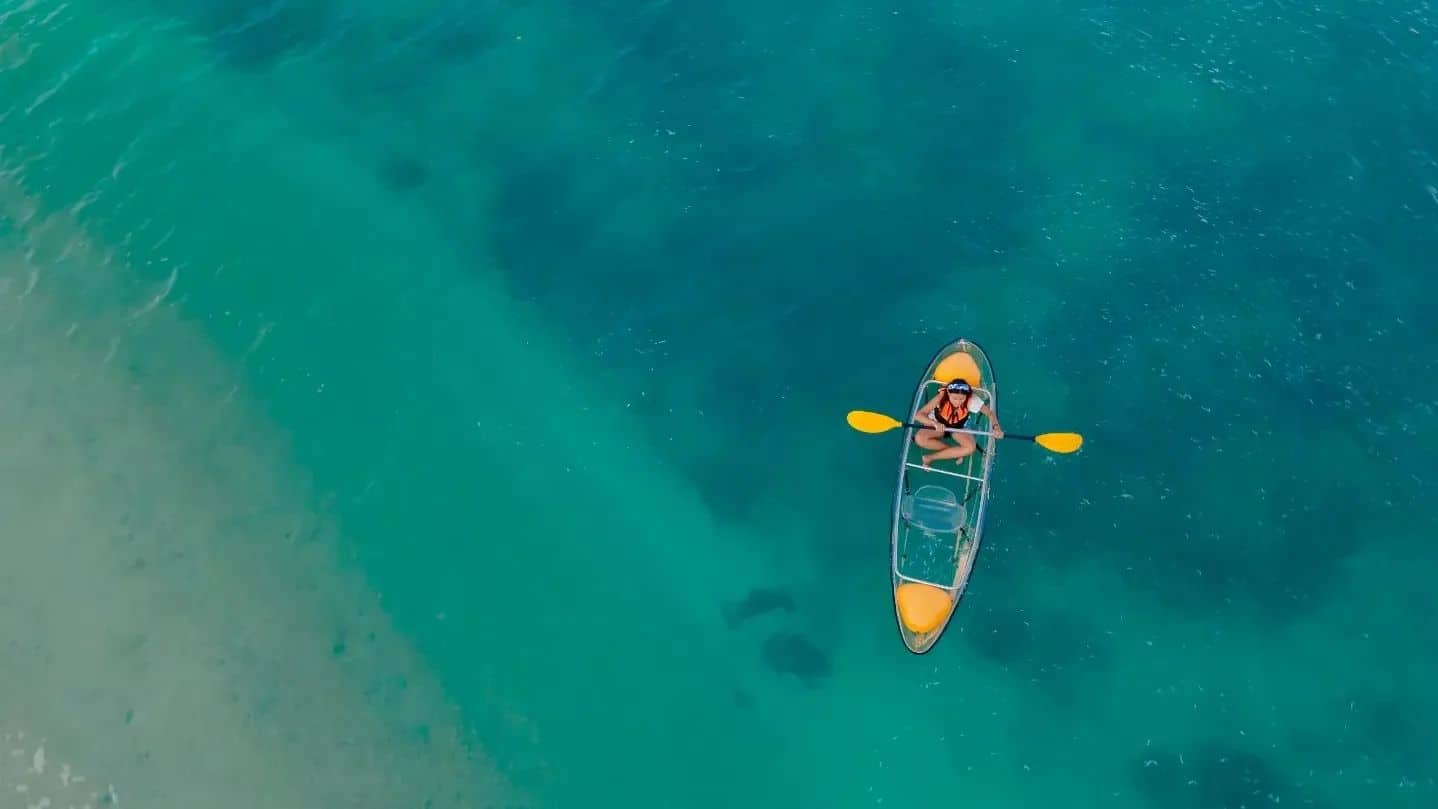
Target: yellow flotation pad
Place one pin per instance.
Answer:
(922, 607)
(958, 366)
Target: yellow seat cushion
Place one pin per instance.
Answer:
(958, 366)
(922, 607)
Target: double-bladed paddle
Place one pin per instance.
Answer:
(868, 422)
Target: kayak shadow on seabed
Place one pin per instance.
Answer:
(759, 601)
(792, 653)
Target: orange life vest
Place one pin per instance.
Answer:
(950, 414)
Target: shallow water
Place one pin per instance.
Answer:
(405, 396)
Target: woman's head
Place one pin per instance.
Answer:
(958, 390)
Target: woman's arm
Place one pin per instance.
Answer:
(993, 420)
(924, 411)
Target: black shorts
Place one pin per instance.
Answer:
(959, 426)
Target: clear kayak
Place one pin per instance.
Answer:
(938, 516)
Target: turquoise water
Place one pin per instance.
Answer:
(535, 324)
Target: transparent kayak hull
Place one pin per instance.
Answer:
(938, 512)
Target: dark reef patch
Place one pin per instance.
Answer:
(403, 173)
(1050, 649)
(1215, 776)
(255, 36)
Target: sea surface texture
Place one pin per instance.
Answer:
(441, 403)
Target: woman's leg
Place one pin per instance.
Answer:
(931, 440)
(962, 449)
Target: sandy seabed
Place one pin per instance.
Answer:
(177, 628)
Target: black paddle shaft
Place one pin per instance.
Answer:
(920, 426)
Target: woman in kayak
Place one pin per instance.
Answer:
(950, 408)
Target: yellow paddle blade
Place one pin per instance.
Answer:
(1059, 442)
(866, 422)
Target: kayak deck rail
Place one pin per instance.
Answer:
(920, 466)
